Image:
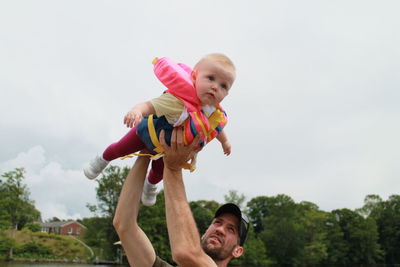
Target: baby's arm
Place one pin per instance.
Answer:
(223, 139)
(135, 115)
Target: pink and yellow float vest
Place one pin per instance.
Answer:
(177, 78)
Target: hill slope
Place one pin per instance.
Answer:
(39, 245)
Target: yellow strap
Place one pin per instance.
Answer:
(136, 154)
(153, 135)
(202, 125)
(154, 61)
(215, 118)
(186, 166)
(158, 148)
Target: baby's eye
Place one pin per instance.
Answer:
(224, 86)
(211, 78)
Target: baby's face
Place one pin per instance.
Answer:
(212, 82)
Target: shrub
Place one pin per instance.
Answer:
(34, 227)
(5, 244)
(34, 248)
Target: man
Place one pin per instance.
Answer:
(221, 242)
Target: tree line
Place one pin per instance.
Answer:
(283, 231)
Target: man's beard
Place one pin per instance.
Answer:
(217, 254)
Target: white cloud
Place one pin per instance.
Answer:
(312, 114)
(51, 210)
(57, 192)
(32, 160)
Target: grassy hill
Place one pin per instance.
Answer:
(37, 245)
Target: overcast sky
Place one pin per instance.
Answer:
(314, 112)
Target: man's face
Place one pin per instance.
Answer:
(222, 237)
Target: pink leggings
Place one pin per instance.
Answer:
(131, 143)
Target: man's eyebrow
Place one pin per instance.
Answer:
(234, 226)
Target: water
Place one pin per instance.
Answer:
(47, 264)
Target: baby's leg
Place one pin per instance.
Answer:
(149, 194)
(156, 171)
(128, 144)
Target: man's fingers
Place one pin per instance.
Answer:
(174, 138)
(179, 136)
(177, 140)
(162, 139)
(195, 141)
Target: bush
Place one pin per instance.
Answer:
(5, 244)
(33, 227)
(33, 248)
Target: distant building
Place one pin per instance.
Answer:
(63, 228)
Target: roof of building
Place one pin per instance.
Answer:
(59, 224)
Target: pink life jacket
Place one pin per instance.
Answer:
(177, 78)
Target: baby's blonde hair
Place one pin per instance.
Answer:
(217, 58)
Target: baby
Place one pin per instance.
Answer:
(192, 100)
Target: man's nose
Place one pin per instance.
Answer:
(220, 230)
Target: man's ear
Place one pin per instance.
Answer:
(237, 252)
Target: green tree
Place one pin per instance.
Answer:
(153, 222)
(16, 207)
(107, 193)
(312, 220)
(258, 208)
(284, 239)
(203, 213)
(54, 219)
(372, 206)
(282, 232)
(361, 237)
(337, 247)
(234, 197)
(15, 204)
(6, 244)
(95, 236)
(292, 233)
(109, 188)
(5, 219)
(100, 230)
(33, 227)
(254, 252)
(387, 217)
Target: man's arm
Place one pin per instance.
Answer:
(136, 244)
(182, 230)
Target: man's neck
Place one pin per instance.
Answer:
(223, 263)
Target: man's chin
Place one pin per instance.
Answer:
(213, 243)
(213, 249)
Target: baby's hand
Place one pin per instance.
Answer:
(133, 118)
(226, 146)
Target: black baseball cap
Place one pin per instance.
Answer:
(244, 221)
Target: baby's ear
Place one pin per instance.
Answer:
(193, 75)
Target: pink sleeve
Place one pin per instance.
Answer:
(177, 78)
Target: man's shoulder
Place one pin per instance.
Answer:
(161, 263)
